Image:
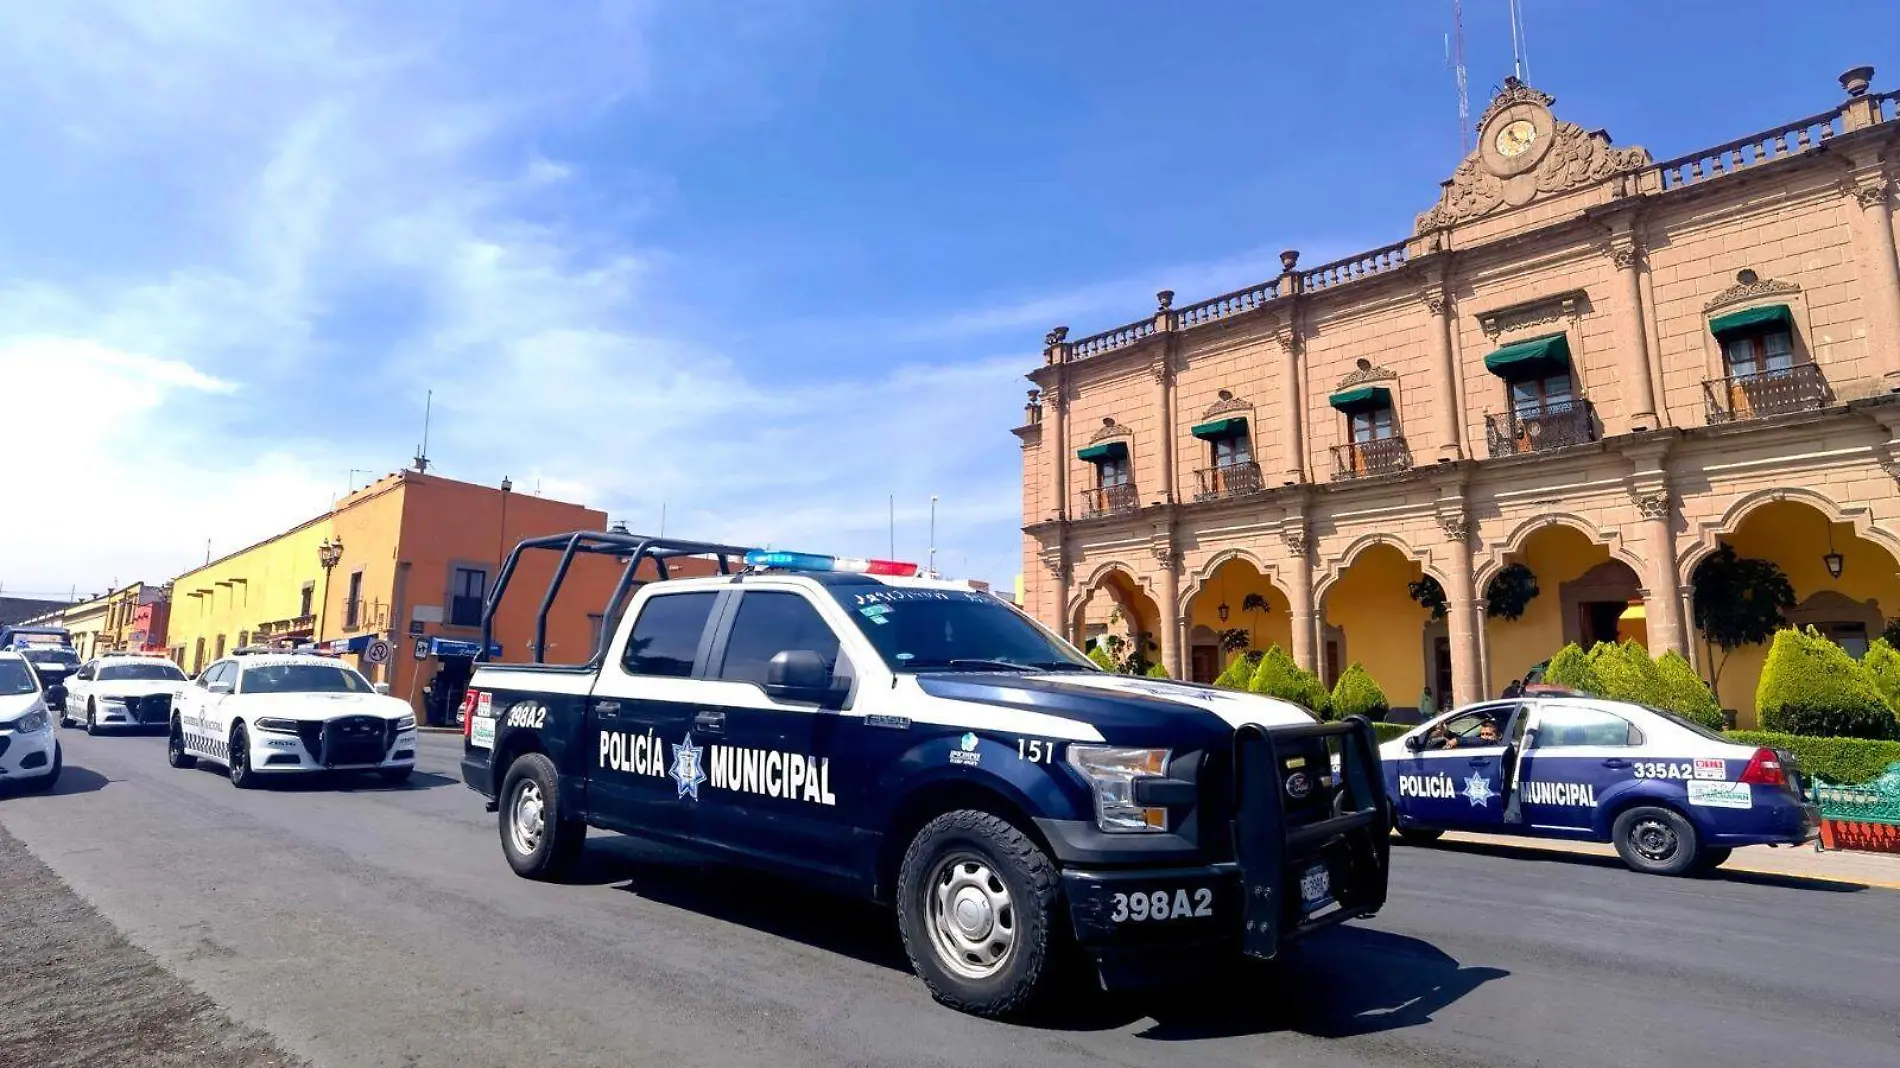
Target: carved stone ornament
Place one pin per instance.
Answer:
(1057, 563)
(1434, 300)
(1746, 291)
(1227, 403)
(1514, 93)
(1366, 371)
(1164, 300)
(1891, 465)
(1161, 369)
(1298, 540)
(1625, 254)
(1109, 429)
(1542, 311)
(1651, 505)
(1055, 337)
(1867, 194)
(1575, 159)
(1167, 557)
(1457, 526)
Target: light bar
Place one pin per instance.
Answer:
(816, 562)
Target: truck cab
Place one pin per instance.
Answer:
(921, 743)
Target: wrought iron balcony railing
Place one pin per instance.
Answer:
(1361, 459)
(1226, 480)
(1109, 500)
(1800, 388)
(1552, 427)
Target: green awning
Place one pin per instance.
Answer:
(1107, 450)
(1536, 358)
(1766, 319)
(1222, 428)
(1365, 398)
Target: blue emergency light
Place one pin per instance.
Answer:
(789, 561)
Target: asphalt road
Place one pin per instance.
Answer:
(378, 926)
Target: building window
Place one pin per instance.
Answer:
(198, 657)
(1747, 356)
(1112, 472)
(353, 608)
(469, 586)
(309, 593)
(1231, 450)
(244, 638)
(1531, 397)
(1370, 425)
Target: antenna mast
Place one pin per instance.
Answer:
(1520, 43)
(422, 450)
(1457, 58)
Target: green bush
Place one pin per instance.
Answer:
(1102, 659)
(1842, 761)
(1810, 686)
(1237, 676)
(1389, 731)
(1571, 669)
(1626, 673)
(1357, 694)
(1278, 676)
(1882, 667)
(1684, 692)
(1156, 671)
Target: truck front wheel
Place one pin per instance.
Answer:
(539, 844)
(976, 903)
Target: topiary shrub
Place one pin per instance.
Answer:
(1684, 692)
(1841, 761)
(1882, 668)
(1571, 669)
(1102, 658)
(1626, 673)
(1811, 686)
(1156, 671)
(1358, 694)
(1278, 676)
(1237, 675)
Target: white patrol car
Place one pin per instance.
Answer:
(29, 747)
(1673, 796)
(262, 715)
(923, 744)
(123, 691)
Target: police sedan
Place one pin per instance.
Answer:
(1671, 795)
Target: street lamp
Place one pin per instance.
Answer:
(1832, 559)
(329, 554)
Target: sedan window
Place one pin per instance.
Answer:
(1566, 726)
(164, 670)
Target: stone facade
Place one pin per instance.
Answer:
(1635, 429)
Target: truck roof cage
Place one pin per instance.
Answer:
(631, 549)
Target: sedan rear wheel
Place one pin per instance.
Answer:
(175, 754)
(1656, 841)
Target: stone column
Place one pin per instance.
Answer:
(1632, 349)
(1662, 599)
(1058, 566)
(1163, 371)
(1464, 620)
(1299, 588)
(1448, 424)
(1292, 397)
(1170, 622)
(1882, 275)
(1055, 402)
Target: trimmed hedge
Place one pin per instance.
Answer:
(1358, 694)
(1810, 686)
(1882, 666)
(1278, 676)
(1237, 676)
(1626, 673)
(1389, 731)
(1156, 671)
(1684, 692)
(1572, 669)
(1841, 761)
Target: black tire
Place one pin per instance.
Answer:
(1656, 841)
(1419, 836)
(175, 754)
(239, 765)
(67, 721)
(45, 782)
(547, 853)
(397, 776)
(92, 719)
(989, 855)
(1711, 858)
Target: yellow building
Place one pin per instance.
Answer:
(266, 592)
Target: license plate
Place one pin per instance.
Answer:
(1316, 888)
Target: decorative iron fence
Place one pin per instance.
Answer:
(1109, 500)
(1554, 427)
(1800, 388)
(1361, 459)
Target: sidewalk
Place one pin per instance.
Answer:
(1881, 870)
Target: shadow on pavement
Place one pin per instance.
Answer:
(1751, 878)
(346, 782)
(72, 780)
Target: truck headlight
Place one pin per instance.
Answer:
(1112, 771)
(276, 726)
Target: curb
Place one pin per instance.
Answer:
(1593, 849)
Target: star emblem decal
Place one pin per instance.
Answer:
(1478, 791)
(687, 771)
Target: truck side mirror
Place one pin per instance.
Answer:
(382, 688)
(797, 675)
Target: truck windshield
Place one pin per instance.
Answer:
(934, 630)
(303, 678)
(127, 672)
(15, 679)
(52, 657)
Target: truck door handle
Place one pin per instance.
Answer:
(711, 721)
(1616, 762)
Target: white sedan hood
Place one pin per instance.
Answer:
(317, 707)
(13, 706)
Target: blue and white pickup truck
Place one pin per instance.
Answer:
(854, 725)
(1673, 796)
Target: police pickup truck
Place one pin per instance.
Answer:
(855, 725)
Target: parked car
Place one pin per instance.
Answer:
(122, 691)
(29, 747)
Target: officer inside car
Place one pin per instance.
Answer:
(1488, 734)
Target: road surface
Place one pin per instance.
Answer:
(380, 926)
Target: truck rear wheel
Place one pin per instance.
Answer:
(539, 844)
(976, 903)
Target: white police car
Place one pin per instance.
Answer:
(268, 714)
(123, 690)
(29, 747)
(1673, 796)
(915, 741)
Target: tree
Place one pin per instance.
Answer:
(1737, 601)
(1506, 596)
(1429, 594)
(1253, 604)
(1234, 639)
(1358, 694)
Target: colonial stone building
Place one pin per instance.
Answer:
(1583, 371)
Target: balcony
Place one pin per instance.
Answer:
(1800, 388)
(1109, 500)
(1554, 427)
(1226, 480)
(1364, 459)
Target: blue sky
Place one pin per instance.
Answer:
(765, 261)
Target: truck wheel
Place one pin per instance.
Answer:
(1419, 836)
(1655, 841)
(239, 765)
(538, 843)
(976, 903)
(175, 754)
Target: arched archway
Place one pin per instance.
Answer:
(1807, 536)
(1232, 607)
(1115, 610)
(1368, 614)
(1585, 590)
